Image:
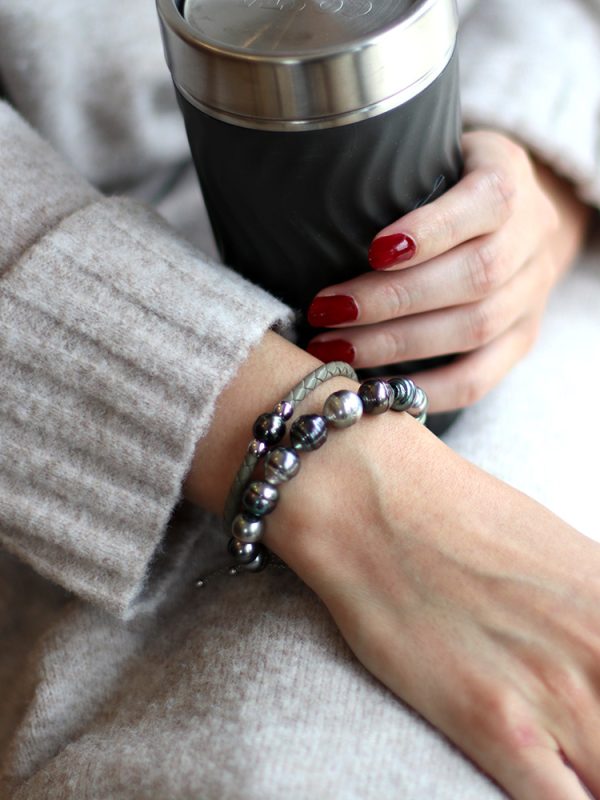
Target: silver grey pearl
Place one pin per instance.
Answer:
(260, 498)
(247, 529)
(243, 552)
(343, 409)
(258, 563)
(284, 410)
(281, 465)
(404, 393)
(258, 448)
(419, 404)
(422, 418)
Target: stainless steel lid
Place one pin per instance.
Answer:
(286, 64)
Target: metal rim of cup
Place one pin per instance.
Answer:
(319, 89)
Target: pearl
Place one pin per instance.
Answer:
(247, 529)
(281, 465)
(257, 564)
(257, 448)
(260, 498)
(419, 404)
(343, 409)
(309, 432)
(284, 410)
(269, 428)
(243, 552)
(404, 393)
(376, 396)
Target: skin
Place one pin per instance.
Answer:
(489, 252)
(434, 572)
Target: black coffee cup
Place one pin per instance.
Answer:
(313, 124)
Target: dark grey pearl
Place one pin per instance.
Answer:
(419, 404)
(247, 529)
(257, 448)
(309, 432)
(343, 409)
(269, 428)
(376, 395)
(260, 562)
(281, 465)
(260, 498)
(284, 410)
(243, 552)
(404, 393)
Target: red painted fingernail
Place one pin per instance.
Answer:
(385, 251)
(332, 310)
(335, 350)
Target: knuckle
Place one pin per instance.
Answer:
(470, 390)
(482, 324)
(499, 714)
(393, 343)
(396, 297)
(515, 153)
(444, 227)
(500, 185)
(486, 268)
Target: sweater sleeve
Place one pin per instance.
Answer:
(531, 69)
(116, 338)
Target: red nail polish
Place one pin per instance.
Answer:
(385, 251)
(332, 310)
(335, 350)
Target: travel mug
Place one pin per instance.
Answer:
(313, 124)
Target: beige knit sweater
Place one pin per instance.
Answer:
(116, 337)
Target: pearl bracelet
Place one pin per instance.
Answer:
(309, 432)
(269, 429)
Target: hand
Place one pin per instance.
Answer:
(469, 273)
(471, 602)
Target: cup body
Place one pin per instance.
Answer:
(295, 203)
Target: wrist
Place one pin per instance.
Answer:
(365, 485)
(269, 373)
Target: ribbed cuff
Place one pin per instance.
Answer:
(532, 72)
(116, 338)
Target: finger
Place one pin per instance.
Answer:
(538, 773)
(481, 202)
(458, 329)
(584, 753)
(469, 378)
(586, 766)
(470, 272)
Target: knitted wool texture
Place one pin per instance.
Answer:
(116, 337)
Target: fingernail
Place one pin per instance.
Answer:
(332, 310)
(385, 251)
(335, 350)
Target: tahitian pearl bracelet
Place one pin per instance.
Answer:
(309, 432)
(270, 428)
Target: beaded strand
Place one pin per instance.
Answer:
(308, 433)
